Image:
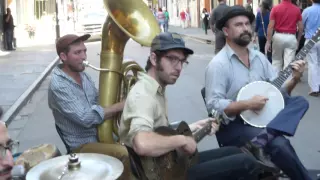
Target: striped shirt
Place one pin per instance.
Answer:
(75, 108)
(225, 75)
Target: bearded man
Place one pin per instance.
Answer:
(237, 65)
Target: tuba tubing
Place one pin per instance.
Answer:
(126, 19)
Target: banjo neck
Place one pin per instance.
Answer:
(285, 73)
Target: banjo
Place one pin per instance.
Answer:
(270, 90)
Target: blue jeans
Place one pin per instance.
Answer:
(8, 34)
(226, 163)
(166, 26)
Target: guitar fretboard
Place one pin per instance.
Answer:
(202, 132)
(285, 73)
(199, 135)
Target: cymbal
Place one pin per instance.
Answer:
(81, 166)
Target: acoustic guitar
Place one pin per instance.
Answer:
(174, 164)
(270, 90)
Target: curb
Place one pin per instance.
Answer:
(23, 99)
(206, 41)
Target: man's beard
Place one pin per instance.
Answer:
(243, 39)
(159, 69)
(5, 171)
(74, 69)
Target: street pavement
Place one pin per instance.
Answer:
(35, 124)
(20, 68)
(197, 33)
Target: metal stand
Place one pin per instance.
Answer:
(57, 22)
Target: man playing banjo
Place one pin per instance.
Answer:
(231, 69)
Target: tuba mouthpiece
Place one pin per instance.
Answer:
(87, 64)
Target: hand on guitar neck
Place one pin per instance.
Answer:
(191, 145)
(202, 123)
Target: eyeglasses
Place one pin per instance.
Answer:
(12, 147)
(175, 60)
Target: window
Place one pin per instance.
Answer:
(40, 8)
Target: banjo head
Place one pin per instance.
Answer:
(273, 106)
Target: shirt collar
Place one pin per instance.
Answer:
(152, 84)
(230, 53)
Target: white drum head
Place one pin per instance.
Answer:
(273, 106)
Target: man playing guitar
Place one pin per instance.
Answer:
(145, 109)
(237, 65)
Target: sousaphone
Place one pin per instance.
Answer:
(126, 19)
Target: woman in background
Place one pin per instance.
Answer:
(261, 29)
(205, 19)
(161, 19)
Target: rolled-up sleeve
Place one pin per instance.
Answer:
(216, 79)
(141, 113)
(68, 104)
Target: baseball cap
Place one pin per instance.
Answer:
(167, 41)
(64, 41)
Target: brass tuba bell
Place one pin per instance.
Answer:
(126, 19)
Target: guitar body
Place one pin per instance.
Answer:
(273, 106)
(175, 164)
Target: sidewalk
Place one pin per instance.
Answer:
(196, 33)
(19, 70)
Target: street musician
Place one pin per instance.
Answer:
(231, 69)
(145, 109)
(73, 99)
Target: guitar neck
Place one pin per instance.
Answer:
(285, 73)
(199, 135)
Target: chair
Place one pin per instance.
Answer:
(64, 142)
(203, 93)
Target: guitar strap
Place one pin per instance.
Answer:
(136, 164)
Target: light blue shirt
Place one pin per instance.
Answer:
(311, 20)
(225, 75)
